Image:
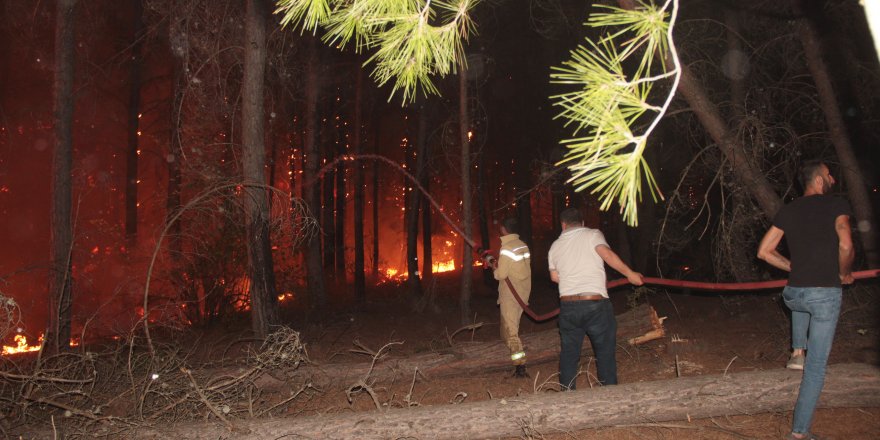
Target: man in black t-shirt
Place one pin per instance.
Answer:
(817, 231)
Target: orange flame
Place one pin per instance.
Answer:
(22, 345)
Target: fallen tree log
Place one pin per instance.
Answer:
(847, 385)
(636, 326)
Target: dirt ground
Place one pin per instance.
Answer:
(714, 334)
(706, 334)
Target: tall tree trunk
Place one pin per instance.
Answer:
(747, 174)
(310, 184)
(425, 180)
(328, 183)
(628, 404)
(376, 140)
(134, 109)
(264, 300)
(61, 243)
(179, 52)
(339, 197)
(852, 174)
(740, 260)
(412, 209)
(273, 156)
(360, 287)
(427, 248)
(467, 261)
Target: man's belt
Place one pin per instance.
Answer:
(582, 297)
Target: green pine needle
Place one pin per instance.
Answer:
(604, 155)
(411, 44)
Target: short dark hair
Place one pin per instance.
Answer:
(571, 216)
(511, 225)
(809, 170)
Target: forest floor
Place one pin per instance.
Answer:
(729, 332)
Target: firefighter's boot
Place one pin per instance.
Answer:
(520, 371)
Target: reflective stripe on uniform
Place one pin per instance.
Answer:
(517, 356)
(514, 256)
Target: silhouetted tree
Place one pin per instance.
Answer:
(264, 300)
(61, 243)
(134, 109)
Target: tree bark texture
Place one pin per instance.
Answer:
(685, 398)
(856, 188)
(310, 184)
(61, 233)
(264, 301)
(467, 257)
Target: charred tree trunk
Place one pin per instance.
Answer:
(376, 128)
(427, 237)
(467, 258)
(179, 52)
(685, 398)
(61, 233)
(134, 110)
(852, 174)
(339, 198)
(360, 285)
(264, 300)
(328, 182)
(310, 183)
(414, 202)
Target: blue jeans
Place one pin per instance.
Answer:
(596, 320)
(814, 313)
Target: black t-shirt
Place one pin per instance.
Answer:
(808, 223)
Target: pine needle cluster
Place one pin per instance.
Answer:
(604, 153)
(413, 39)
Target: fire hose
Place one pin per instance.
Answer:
(757, 285)
(482, 253)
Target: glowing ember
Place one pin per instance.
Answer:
(22, 345)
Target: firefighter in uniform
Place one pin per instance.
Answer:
(513, 264)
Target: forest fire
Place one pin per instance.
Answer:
(400, 275)
(21, 345)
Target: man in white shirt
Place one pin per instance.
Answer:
(576, 262)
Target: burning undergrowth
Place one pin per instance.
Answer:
(114, 389)
(155, 371)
